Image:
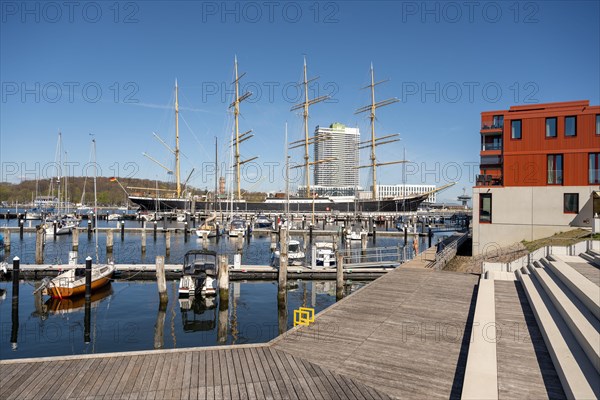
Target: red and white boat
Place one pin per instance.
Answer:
(72, 282)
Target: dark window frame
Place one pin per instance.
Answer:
(596, 166)
(512, 137)
(598, 124)
(575, 119)
(554, 164)
(555, 127)
(565, 203)
(488, 219)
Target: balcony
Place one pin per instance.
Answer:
(490, 161)
(492, 125)
(488, 180)
(491, 146)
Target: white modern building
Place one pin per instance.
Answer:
(338, 143)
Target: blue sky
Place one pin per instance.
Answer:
(109, 69)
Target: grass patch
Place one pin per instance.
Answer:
(559, 239)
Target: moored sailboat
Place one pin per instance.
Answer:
(72, 282)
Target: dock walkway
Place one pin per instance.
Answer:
(405, 335)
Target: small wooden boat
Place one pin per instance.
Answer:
(72, 282)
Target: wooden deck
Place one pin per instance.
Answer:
(240, 372)
(525, 369)
(405, 335)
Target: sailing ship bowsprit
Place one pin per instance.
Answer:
(169, 200)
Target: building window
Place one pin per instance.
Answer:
(515, 129)
(551, 127)
(485, 207)
(597, 124)
(571, 203)
(594, 168)
(555, 169)
(570, 126)
(498, 122)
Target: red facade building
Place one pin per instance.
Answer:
(539, 172)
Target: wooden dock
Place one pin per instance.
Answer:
(405, 335)
(228, 372)
(362, 271)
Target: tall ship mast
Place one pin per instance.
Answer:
(244, 136)
(373, 142)
(177, 199)
(307, 141)
(306, 204)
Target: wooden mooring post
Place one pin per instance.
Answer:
(223, 280)
(7, 241)
(168, 242)
(339, 274)
(75, 238)
(89, 229)
(109, 242)
(122, 230)
(39, 245)
(21, 225)
(144, 238)
(283, 262)
(161, 281)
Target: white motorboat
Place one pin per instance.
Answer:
(355, 233)
(295, 254)
(199, 273)
(324, 254)
(237, 227)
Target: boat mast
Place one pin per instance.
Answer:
(95, 199)
(177, 168)
(376, 141)
(287, 175)
(59, 171)
(307, 140)
(216, 171)
(244, 136)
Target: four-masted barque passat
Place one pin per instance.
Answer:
(166, 200)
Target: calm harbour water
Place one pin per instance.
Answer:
(126, 315)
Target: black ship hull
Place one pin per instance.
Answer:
(279, 206)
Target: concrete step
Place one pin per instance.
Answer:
(591, 256)
(481, 371)
(578, 376)
(585, 290)
(581, 322)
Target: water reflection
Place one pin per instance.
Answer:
(198, 314)
(128, 316)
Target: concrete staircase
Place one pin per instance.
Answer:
(591, 256)
(566, 306)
